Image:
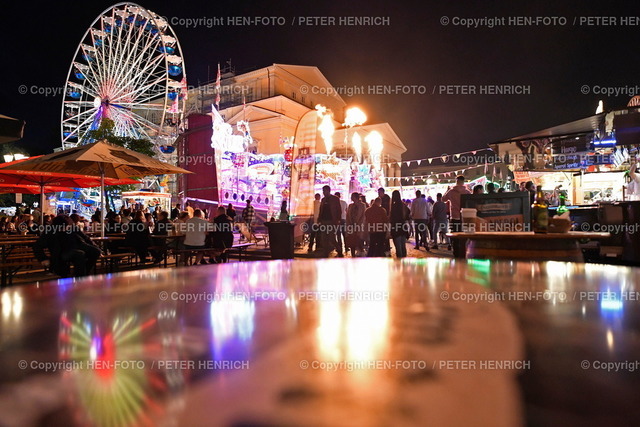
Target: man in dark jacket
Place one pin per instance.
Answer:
(138, 236)
(329, 222)
(386, 204)
(175, 212)
(161, 228)
(222, 236)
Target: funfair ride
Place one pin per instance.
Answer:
(129, 68)
(266, 178)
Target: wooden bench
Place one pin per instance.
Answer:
(15, 258)
(240, 249)
(110, 262)
(164, 250)
(187, 254)
(12, 266)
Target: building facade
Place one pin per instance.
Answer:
(274, 98)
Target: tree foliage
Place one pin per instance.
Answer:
(106, 132)
(141, 145)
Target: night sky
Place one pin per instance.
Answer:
(553, 61)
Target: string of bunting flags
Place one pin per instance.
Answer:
(452, 174)
(444, 158)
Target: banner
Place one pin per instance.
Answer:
(303, 168)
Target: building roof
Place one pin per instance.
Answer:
(310, 75)
(262, 109)
(581, 126)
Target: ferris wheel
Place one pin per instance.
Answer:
(128, 68)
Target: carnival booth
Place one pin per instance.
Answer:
(266, 179)
(147, 199)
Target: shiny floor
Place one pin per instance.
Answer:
(371, 342)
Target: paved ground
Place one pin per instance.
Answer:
(441, 252)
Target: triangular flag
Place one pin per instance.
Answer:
(399, 164)
(430, 160)
(474, 152)
(457, 156)
(419, 161)
(408, 163)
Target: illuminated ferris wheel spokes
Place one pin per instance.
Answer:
(128, 68)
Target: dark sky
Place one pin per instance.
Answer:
(553, 61)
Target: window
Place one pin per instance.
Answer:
(293, 95)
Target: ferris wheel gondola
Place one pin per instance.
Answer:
(129, 68)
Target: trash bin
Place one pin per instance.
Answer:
(631, 242)
(280, 239)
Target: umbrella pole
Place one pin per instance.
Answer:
(42, 200)
(102, 201)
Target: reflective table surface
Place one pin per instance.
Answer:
(338, 342)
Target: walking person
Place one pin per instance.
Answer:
(355, 226)
(313, 226)
(399, 220)
(377, 224)
(385, 200)
(248, 216)
(420, 217)
(440, 222)
(412, 230)
(341, 234)
(431, 237)
(284, 213)
(453, 196)
(329, 221)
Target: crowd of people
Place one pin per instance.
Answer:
(366, 228)
(358, 228)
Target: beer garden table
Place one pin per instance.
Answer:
(527, 245)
